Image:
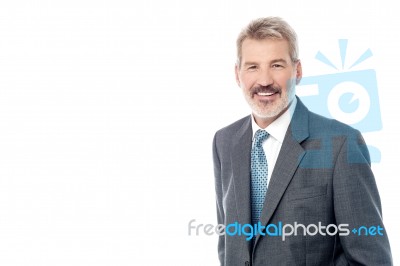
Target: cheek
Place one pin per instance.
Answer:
(285, 80)
(246, 82)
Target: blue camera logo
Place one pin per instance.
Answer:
(350, 97)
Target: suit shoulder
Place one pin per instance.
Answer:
(324, 125)
(230, 130)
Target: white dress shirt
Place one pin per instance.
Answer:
(277, 131)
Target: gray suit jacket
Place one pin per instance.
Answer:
(322, 174)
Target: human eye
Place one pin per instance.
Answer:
(278, 66)
(252, 68)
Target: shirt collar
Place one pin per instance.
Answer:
(278, 128)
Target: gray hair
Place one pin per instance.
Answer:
(269, 28)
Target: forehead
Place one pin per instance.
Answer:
(265, 50)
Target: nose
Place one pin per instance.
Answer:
(264, 77)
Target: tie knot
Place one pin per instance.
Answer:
(260, 136)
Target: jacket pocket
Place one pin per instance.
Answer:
(306, 193)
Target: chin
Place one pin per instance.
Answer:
(266, 115)
(270, 111)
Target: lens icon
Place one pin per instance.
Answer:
(349, 102)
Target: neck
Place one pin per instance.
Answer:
(263, 122)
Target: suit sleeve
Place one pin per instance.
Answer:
(219, 197)
(357, 203)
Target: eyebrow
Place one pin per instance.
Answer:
(279, 60)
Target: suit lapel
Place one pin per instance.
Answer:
(240, 159)
(288, 160)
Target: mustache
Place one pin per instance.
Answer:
(265, 89)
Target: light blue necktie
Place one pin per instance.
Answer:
(259, 175)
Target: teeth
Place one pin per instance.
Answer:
(265, 93)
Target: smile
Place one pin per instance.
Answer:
(265, 93)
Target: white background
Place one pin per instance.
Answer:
(108, 109)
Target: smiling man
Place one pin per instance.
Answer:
(267, 74)
(285, 167)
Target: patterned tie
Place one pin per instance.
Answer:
(259, 175)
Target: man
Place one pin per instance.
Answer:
(284, 166)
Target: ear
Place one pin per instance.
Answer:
(237, 74)
(299, 72)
